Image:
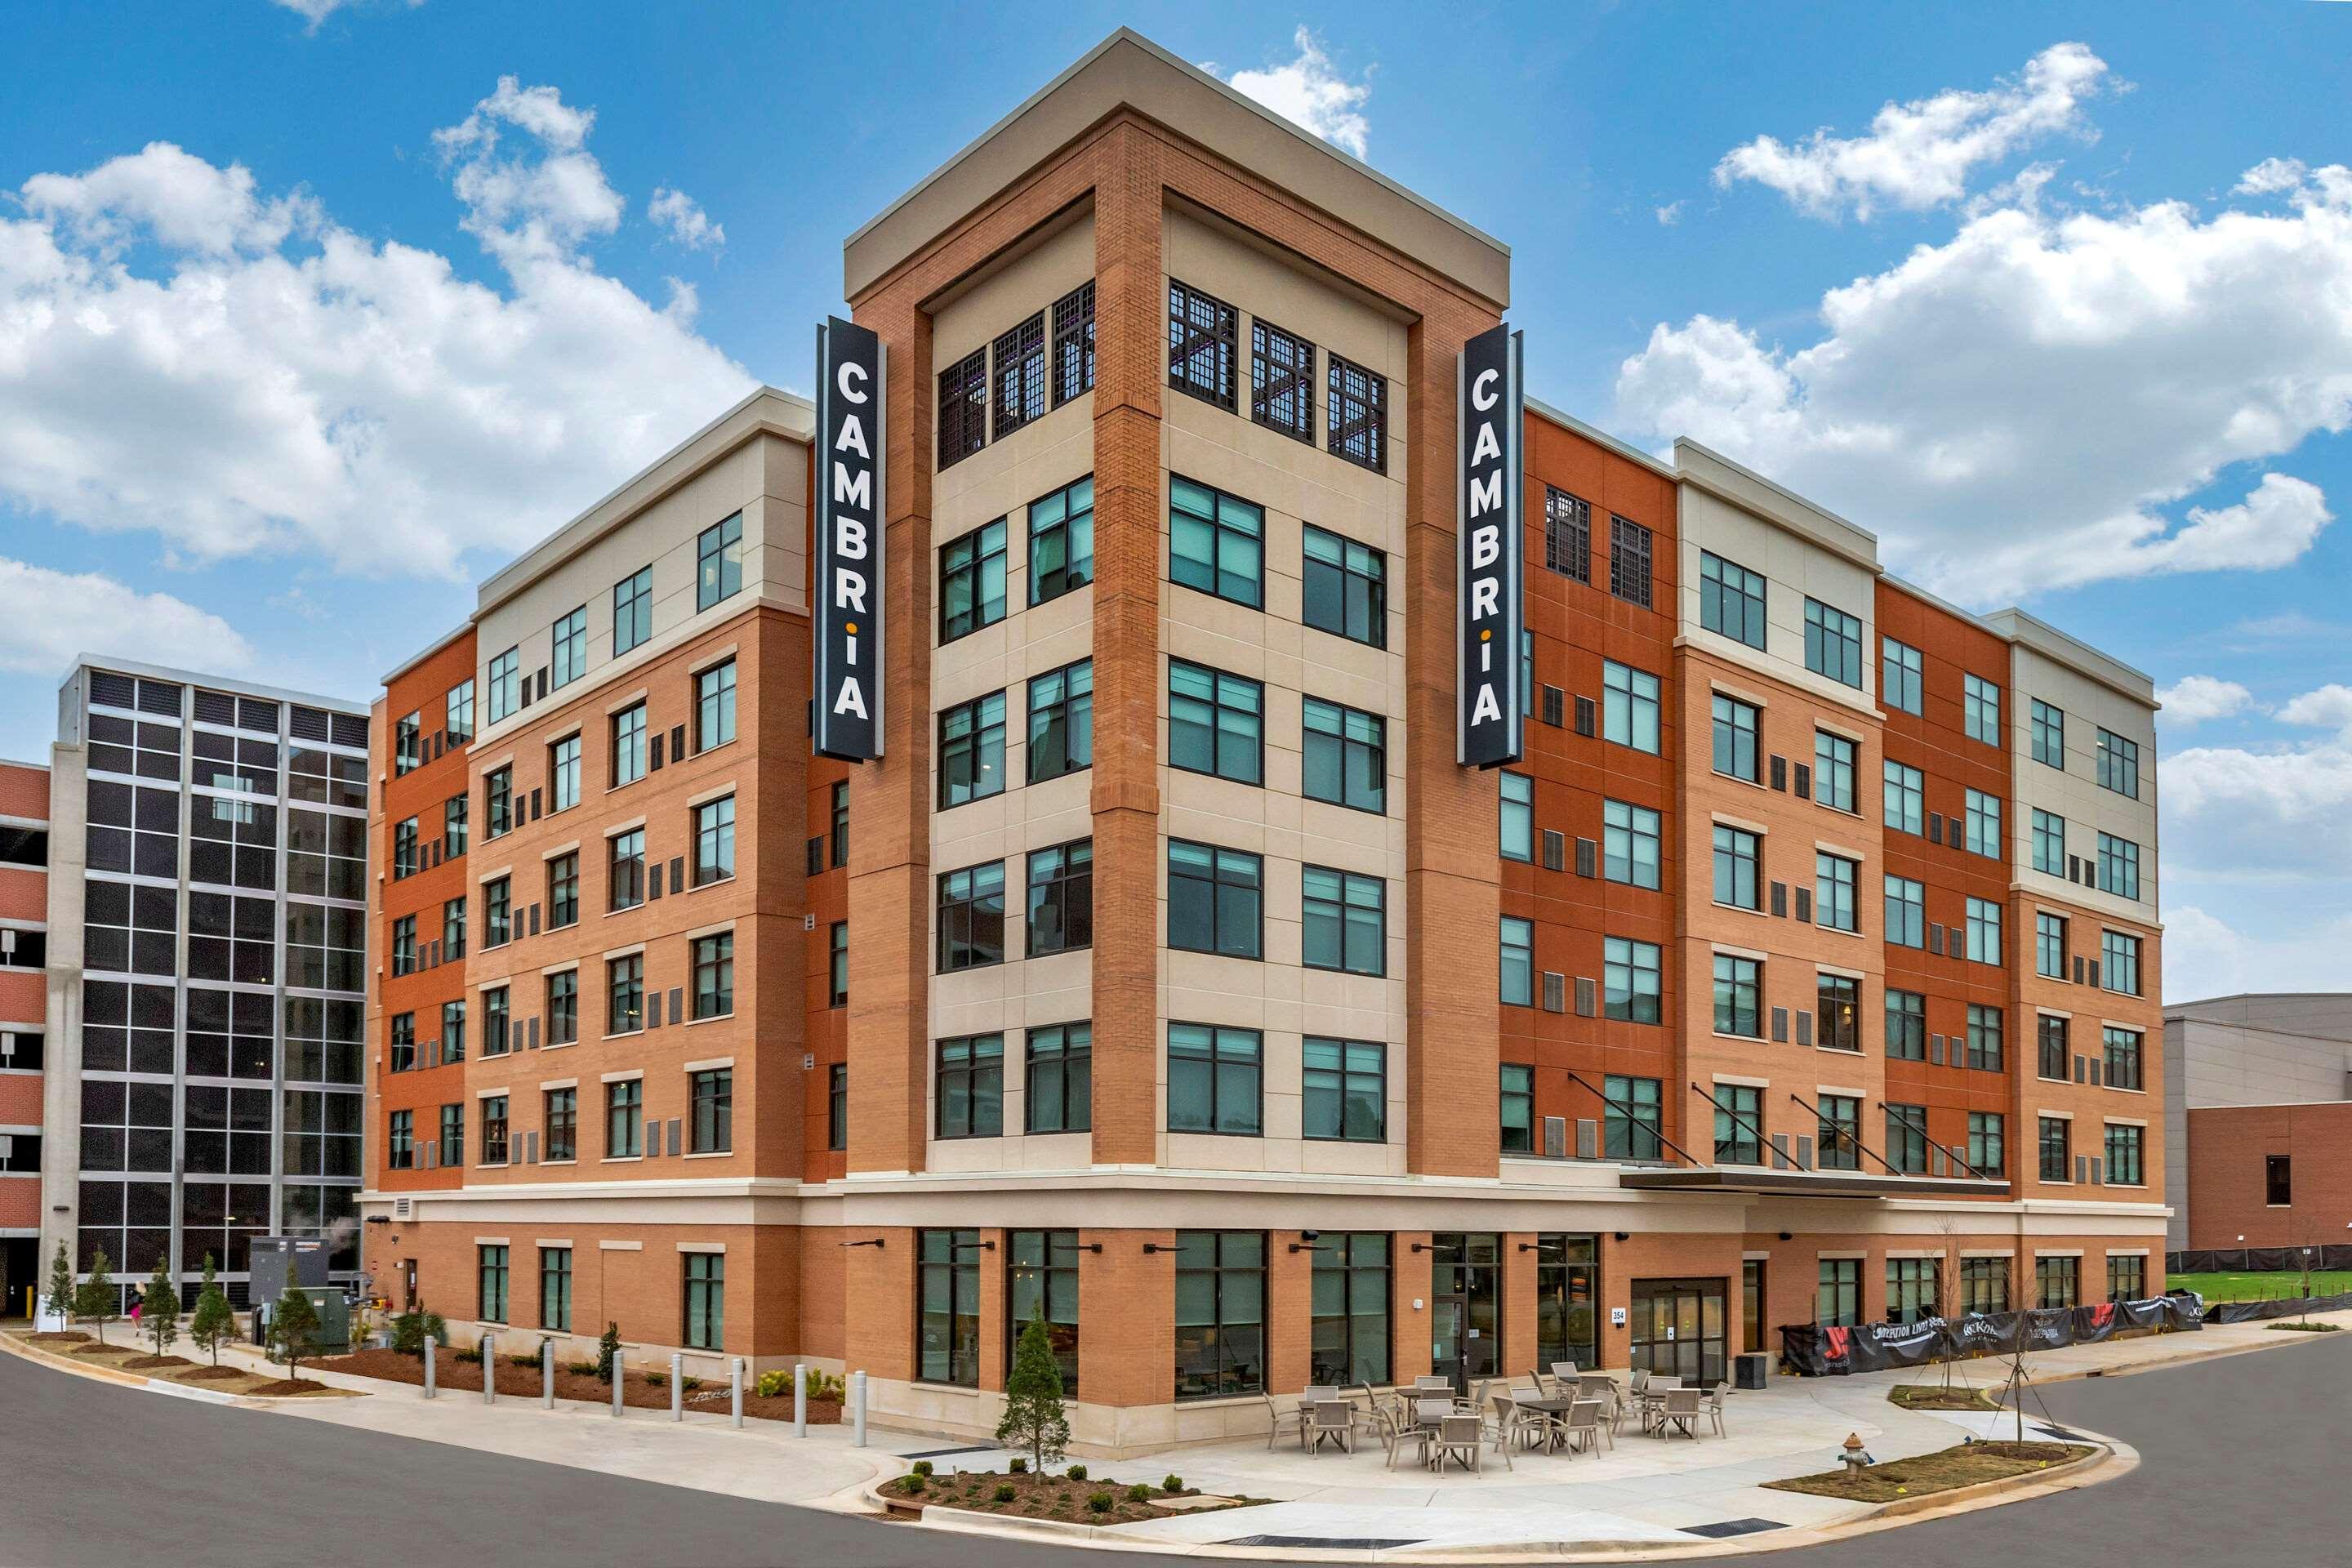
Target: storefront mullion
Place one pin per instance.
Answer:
(1042, 1271)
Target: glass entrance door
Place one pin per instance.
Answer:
(1465, 1337)
(1751, 1304)
(1568, 1290)
(1679, 1328)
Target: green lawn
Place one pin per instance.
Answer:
(2262, 1287)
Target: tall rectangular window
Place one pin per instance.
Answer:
(1357, 402)
(1730, 599)
(564, 1008)
(837, 1106)
(1629, 707)
(1629, 848)
(1984, 932)
(1985, 1042)
(2118, 764)
(1219, 1313)
(1216, 543)
(947, 1298)
(1907, 798)
(624, 994)
(1832, 643)
(971, 918)
(1060, 1080)
(1988, 1144)
(1519, 964)
(1838, 1132)
(1980, 709)
(1074, 343)
(2049, 843)
(1568, 534)
(972, 751)
(1215, 1079)
(1736, 754)
(705, 1301)
(453, 1031)
(1346, 756)
(1062, 541)
(840, 823)
(569, 660)
(2050, 945)
(555, 1290)
(1201, 339)
(2057, 1282)
(1907, 1027)
(2126, 1278)
(1632, 1125)
(1041, 1280)
(560, 1115)
(1216, 722)
(494, 1129)
(1344, 589)
(400, 1151)
(1062, 720)
(1900, 684)
(460, 710)
(498, 802)
(1983, 824)
(972, 581)
(714, 841)
(1906, 1138)
(563, 773)
(2122, 1053)
(1837, 1301)
(2119, 866)
(490, 1274)
(1518, 1109)
(1517, 816)
(1736, 880)
(496, 1039)
(2048, 725)
(629, 744)
(1282, 381)
(625, 1118)
(719, 562)
(403, 849)
(1344, 1090)
(1835, 903)
(1629, 561)
(2050, 1048)
(713, 959)
(1018, 388)
(2278, 1181)
(1215, 899)
(970, 1095)
(1738, 1124)
(1837, 1005)
(2057, 1136)
(1834, 758)
(1912, 1285)
(506, 684)
(1060, 898)
(1984, 1285)
(407, 744)
(1630, 980)
(714, 706)
(1739, 996)
(497, 912)
(964, 408)
(836, 985)
(1349, 1295)
(1906, 911)
(1344, 919)
(2119, 963)
(626, 868)
(632, 610)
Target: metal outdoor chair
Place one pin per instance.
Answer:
(1281, 1421)
(1714, 1406)
(1564, 1372)
(1596, 1385)
(1330, 1421)
(1584, 1427)
(1460, 1437)
(1679, 1410)
(1395, 1430)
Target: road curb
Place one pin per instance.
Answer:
(39, 1357)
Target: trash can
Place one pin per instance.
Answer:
(1749, 1368)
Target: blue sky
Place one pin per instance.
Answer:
(312, 313)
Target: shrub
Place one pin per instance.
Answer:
(214, 1322)
(1004, 1492)
(923, 1468)
(608, 1353)
(580, 1368)
(529, 1359)
(1020, 1466)
(913, 1484)
(690, 1383)
(158, 1308)
(411, 1330)
(470, 1354)
(1172, 1484)
(293, 1329)
(778, 1385)
(1099, 1503)
(657, 1380)
(1138, 1493)
(1077, 1472)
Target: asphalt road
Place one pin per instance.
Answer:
(2242, 1462)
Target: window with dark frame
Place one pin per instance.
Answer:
(1631, 979)
(564, 1008)
(1349, 1306)
(947, 1303)
(1986, 1045)
(1631, 1118)
(1216, 1080)
(1516, 1113)
(490, 1295)
(1837, 1001)
(714, 841)
(625, 1118)
(1738, 1124)
(1040, 1280)
(714, 706)
(1215, 899)
(494, 1130)
(1731, 600)
(1219, 1313)
(1074, 343)
(705, 1301)
(837, 1106)
(1629, 561)
(1344, 588)
(972, 751)
(1739, 996)
(1216, 722)
(1062, 541)
(1913, 1287)
(400, 1149)
(971, 918)
(1282, 381)
(1515, 967)
(1060, 1079)
(559, 1113)
(555, 1290)
(1988, 1144)
(1358, 402)
(2051, 1050)
(625, 993)
(1020, 378)
(1345, 756)
(1343, 1087)
(2126, 1278)
(972, 581)
(1839, 1139)
(964, 408)
(1906, 1138)
(1907, 1027)
(2278, 1181)
(2124, 1144)
(626, 868)
(2057, 1137)
(841, 822)
(837, 965)
(970, 1095)
(2123, 1056)
(712, 1099)
(563, 890)
(1837, 1301)
(1062, 720)
(1568, 534)
(714, 976)
(719, 562)
(1344, 921)
(1061, 898)
(1203, 333)
(1216, 543)
(632, 609)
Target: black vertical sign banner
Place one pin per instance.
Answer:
(1490, 728)
(847, 688)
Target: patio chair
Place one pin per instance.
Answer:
(1641, 1379)
(1584, 1427)
(1330, 1420)
(1596, 1385)
(1394, 1429)
(1280, 1421)
(1542, 1386)
(1369, 1408)
(1564, 1372)
(1516, 1425)
(1714, 1406)
(1461, 1437)
(1435, 1381)
(1430, 1412)
(1679, 1410)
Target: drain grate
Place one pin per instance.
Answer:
(943, 1453)
(1328, 1543)
(1731, 1526)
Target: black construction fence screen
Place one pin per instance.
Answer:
(2286, 1307)
(1818, 1351)
(2256, 1259)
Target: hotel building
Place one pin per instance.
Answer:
(24, 956)
(1798, 970)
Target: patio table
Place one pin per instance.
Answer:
(1556, 1406)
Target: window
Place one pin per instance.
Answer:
(453, 1031)
(1629, 561)
(1906, 913)
(1987, 1142)
(494, 1130)
(1984, 1284)
(2057, 1136)
(1215, 722)
(1899, 683)
(1833, 757)
(497, 796)
(1282, 381)
(1042, 1281)
(2278, 1181)
(971, 918)
(947, 1290)
(1906, 1138)
(1735, 751)
(497, 912)
(1630, 986)
(563, 890)
(714, 841)
(2049, 843)
(1348, 1327)
(506, 684)
(841, 822)
(1060, 1079)
(1837, 1001)
(625, 860)
(1061, 908)
(837, 1106)
(491, 1296)
(2122, 1053)
(629, 745)
(1735, 851)
(624, 994)
(1738, 1124)
(2050, 945)
(564, 1008)
(2124, 1143)
(403, 849)
(2118, 760)
(1980, 709)
(1518, 966)
(1568, 534)
(1629, 844)
(632, 610)
(1629, 707)
(1832, 643)
(461, 713)
(2050, 1048)
(1345, 589)
(719, 562)
(964, 408)
(705, 1301)
(563, 773)
(971, 582)
(454, 814)
(1983, 824)
(1837, 1303)
(1738, 993)
(1215, 1079)
(972, 751)
(1984, 932)
(1907, 1027)
(1518, 1108)
(1834, 898)
(407, 744)
(1215, 899)
(2057, 1282)
(1905, 798)
(714, 706)
(1345, 921)
(404, 945)
(400, 1149)
(714, 976)
(1062, 541)
(1985, 1032)
(496, 1040)
(2119, 866)
(1201, 334)
(555, 1289)
(1344, 1086)
(1074, 343)
(562, 1117)
(625, 1118)
(1347, 753)
(1731, 600)
(1216, 543)
(1838, 1123)
(1518, 818)
(569, 658)
(1359, 408)
(970, 1097)
(2119, 963)
(1219, 1313)
(1020, 382)
(1630, 1128)
(2126, 1278)
(1913, 1288)
(2049, 727)
(1062, 720)
(837, 965)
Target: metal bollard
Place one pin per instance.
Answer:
(800, 1399)
(735, 1375)
(431, 1392)
(858, 1407)
(620, 1382)
(488, 1346)
(547, 1375)
(676, 1386)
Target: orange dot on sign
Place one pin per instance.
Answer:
(1487, 636)
(853, 628)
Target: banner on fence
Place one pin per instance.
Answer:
(1820, 1351)
(2256, 1259)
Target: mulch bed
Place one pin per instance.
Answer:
(1941, 1471)
(157, 1363)
(1045, 1496)
(1926, 1396)
(285, 1386)
(213, 1374)
(55, 1337)
(523, 1383)
(99, 1349)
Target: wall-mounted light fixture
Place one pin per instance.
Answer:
(1621, 1236)
(870, 1241)
(1151, 1246)
(1093, 1246)
(1786, 1236)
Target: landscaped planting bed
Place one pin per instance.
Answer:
(1934, 1396)
(1080, 1499)
(638, 1390)
(139, 1358)
(1926, 1474)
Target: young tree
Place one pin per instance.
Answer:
(215, 1323)
(158, 1308)
(293, 1329)
(1033, 1416)
(608, 1353)
(61, 1286)
(94, 1298)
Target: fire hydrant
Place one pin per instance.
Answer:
(1857, 1459)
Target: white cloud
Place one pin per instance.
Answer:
(316, 10)
(1671, 213)
(1920, 154)
(2329, 708)
(47, 616)
(2281, 812)
(2012, 409)
(683, 217)
(1310, 92)
(2205, 956)
(251, 376)
(2194, 699)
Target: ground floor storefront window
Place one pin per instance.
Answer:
(1568, 1290)
(1349, 1337)
(947, 1296)
(1219, 1313)
(1043, 1276)
(2057, 1282)
(1984, 1284)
